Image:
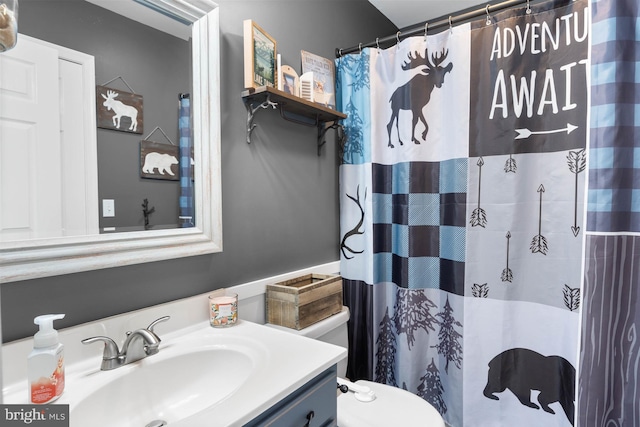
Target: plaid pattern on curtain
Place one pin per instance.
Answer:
(614, 157)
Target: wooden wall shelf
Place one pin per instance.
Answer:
(292, 108)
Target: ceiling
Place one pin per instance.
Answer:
(405, 13)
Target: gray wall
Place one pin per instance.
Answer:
(279, 199)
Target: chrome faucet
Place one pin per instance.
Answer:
(138, 345)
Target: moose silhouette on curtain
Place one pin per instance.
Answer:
(416, 93)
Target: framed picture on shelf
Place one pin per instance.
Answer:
(290, 80)
(259, 56)
(324, 77)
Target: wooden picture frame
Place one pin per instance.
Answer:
(259, 56)
(118, 110)
(290, 80)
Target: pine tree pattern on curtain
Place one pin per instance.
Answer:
(609, 389)
(461, 214)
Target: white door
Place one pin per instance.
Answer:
(78, 138)
(43, 145)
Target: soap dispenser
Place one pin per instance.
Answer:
(46, 362)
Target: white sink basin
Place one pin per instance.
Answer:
(166, 388)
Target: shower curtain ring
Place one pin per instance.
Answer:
(488, 16)
(528, 8)
(378, 42)
(398, 39)
(360, 47)
(450, 25)
(426, 28)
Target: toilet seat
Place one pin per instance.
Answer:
(391, 406)
(383, 411)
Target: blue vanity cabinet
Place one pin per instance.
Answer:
(313, 405)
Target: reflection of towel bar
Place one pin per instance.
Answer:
(185, 221)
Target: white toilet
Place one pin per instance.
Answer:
(391, 406)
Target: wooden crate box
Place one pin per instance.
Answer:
(303, 301)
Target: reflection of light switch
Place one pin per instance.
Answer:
(108, 208)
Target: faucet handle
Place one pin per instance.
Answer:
(111, 354)
(110, 347)
(155, 322)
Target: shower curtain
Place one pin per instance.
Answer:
(462, 202)
(610, 352)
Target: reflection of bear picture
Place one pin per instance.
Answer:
(159, 161)
(522, 371)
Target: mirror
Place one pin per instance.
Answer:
(33, 258)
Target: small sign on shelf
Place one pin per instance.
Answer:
(324, 76)
(290, 80)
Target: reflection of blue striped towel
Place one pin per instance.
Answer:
(186, 167)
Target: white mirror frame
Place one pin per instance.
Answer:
(30, 259)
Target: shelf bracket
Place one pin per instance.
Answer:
(251, 111)
(322, 131)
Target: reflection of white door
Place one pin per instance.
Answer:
(48, 178)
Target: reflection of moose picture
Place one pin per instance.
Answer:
(416, 93)
(119, 110)
(523, 371)
(159, 161)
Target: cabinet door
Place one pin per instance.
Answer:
(317, 397)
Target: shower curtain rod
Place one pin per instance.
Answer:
(434, 24)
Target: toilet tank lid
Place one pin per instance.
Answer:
(320, 328)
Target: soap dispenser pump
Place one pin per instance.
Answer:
(46, 362)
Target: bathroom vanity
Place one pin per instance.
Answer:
(313, 404)
(243, 375)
